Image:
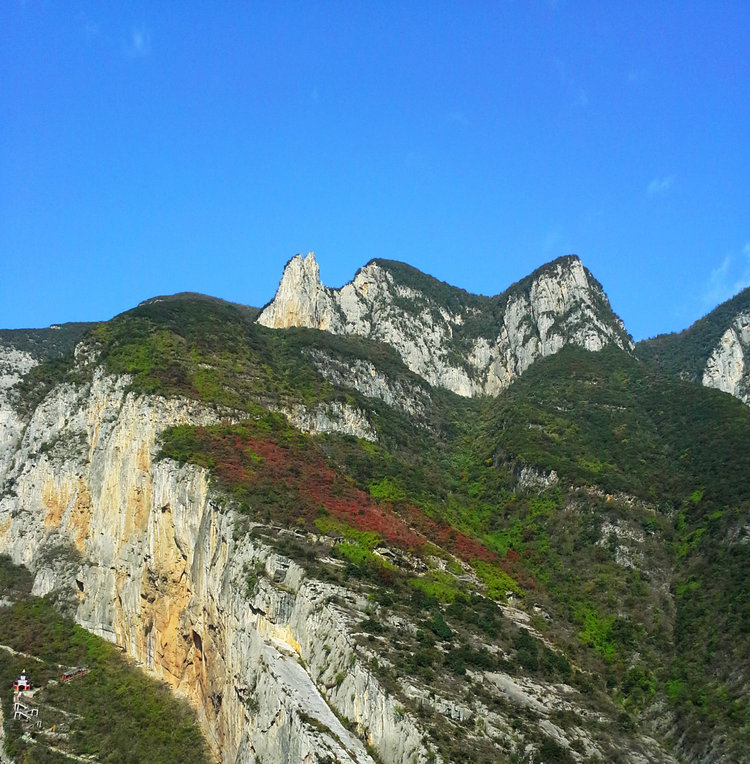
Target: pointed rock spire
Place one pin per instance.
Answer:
(301, 299)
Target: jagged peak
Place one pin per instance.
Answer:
(301, 299)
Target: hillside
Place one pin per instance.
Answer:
(713, 351)
(112, 713)
(304, 535)
(53, 342)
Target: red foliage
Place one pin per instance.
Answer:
(447, 537)
(256, 463)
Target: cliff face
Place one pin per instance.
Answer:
(353, 595)
(727, 367)
(151, 563)
(714, 351)
(477, 346)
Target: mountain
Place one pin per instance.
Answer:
(341, 548)
(466, 343)
(714, 351)
(142, 720)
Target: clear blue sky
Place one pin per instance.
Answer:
(149, 148)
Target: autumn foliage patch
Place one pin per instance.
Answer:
(283, 472)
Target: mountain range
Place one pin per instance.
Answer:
(396, 521)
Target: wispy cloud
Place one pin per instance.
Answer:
(728, 278)
(457, 117)
(660, 186)
(577, 95)
(139, 43)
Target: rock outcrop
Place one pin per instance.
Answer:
(476, 346)
(714, 351)
(727, 366)
(147, 559)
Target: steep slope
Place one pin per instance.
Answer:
(714, 351)
(465, 343)
(336, 561)
(143, 721)
(294, 587)
(677, 455)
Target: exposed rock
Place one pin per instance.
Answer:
(330, 417)
(366, 378)
(151, 564)
(559, 304)
(625, 540)
(530, 478)
(726, 368)
(13, 365)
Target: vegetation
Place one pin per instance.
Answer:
(15, 581)
(43, 344)
(633, 565)
(602, 420)
(114, 713)
(686, 353)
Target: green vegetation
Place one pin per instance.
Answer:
(15, 581)
(634, 566)
(212, 350)
(115, 713)
(43, 344)
(604, 419)
(686, 353)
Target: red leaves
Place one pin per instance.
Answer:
(445, 536)
(252, 462)
(311, 485)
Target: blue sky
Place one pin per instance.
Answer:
(150, 148)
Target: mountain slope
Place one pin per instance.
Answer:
(714, 351)
(469, 344)
(334, 559)
(112, 712)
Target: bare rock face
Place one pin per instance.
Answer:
(146, 558)
(330, 417)
(301, 298)
(727, 368)
(13, 365)
(478, 346)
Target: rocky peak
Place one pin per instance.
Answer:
(301, 299)
(470, 344)
(714, 351)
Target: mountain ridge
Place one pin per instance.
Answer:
(290, 525)
(472, 349)
(713, 351)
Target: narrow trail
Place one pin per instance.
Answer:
(10, 650)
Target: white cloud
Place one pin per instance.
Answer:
(577, 95)
(139, 44)
(727, 279)
(660, 186)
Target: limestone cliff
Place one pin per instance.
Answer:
(714, 351)
(465, 343)
(146, 554)
(727, 366)
(147, 559)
